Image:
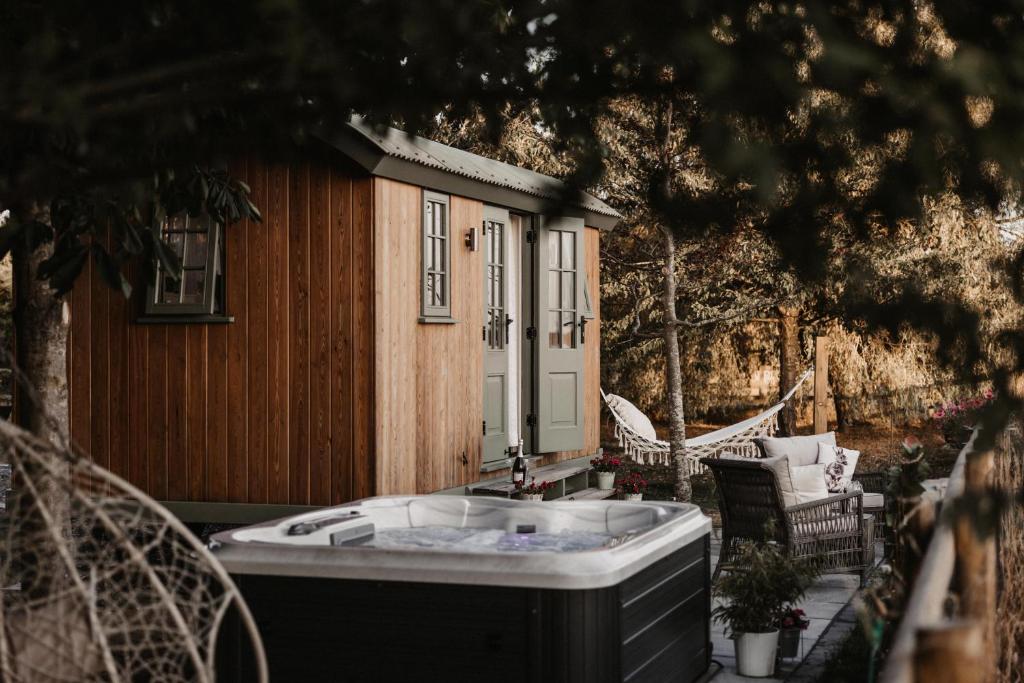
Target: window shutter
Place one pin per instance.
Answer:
(560, 306)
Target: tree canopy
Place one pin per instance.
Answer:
(820, 117)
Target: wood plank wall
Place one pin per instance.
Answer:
(276, 407)
(428, 376)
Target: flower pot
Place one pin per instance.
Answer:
(632, 496)
(605, 480)
(755, 653)
(531, 496)
(789, 642)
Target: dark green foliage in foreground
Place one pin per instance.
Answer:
(811, 119)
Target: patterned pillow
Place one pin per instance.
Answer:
(839, 466)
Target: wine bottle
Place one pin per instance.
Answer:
(518, 467)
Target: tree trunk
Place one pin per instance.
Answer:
(41, 340)
(673, 365)
(789, 360)
(674, 374)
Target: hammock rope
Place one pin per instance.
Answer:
(737, 438)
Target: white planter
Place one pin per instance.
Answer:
(605, 480)
(755, 653)
(632, 496)
(531, 496)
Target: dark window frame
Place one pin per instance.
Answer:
(213, 269)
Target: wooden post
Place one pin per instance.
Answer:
(975, 555)
(820, 385)
(952, 651)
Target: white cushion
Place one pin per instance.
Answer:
(839, 466)
(802, 450)
(780, 465)
(809, 483)
(633, 416)
(874, 500)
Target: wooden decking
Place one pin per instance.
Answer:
(573, 481)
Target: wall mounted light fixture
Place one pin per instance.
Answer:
(473, 239)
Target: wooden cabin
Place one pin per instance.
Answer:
(403, 314)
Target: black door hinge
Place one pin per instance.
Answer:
(531, 332)
(531, 237)
(485, 427)
(484, 330)
(531, 420)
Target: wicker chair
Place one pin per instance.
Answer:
(834, 533)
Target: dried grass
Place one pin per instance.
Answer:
(1010, 605)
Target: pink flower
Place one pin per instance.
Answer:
(989, 394)
(939, 414)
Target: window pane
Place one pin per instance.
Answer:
(439, 291)
(431, 286)
(171, 293)
(553, 295)
(568, 328)
(429, 218)
(568, 250)
(196, 247)
(439, 256)
(193, 282)
(175, 223)
(553, 249)
(177, 242)
(568, 291)
(554, 333)
(499, 240)
(439, 220)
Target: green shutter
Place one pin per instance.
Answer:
(560, 304)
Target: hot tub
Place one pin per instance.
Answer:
(477, 588)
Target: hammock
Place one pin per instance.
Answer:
(737, 438)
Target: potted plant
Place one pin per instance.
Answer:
(533, 490)
(632, 486)
(753, 595)
(955, 419)
(606, 466)
(792, 623)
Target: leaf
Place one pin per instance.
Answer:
(9, 235)
(66, 271)
(110, 269)
(167, 258)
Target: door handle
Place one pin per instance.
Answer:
(583, 329)
(508, 323)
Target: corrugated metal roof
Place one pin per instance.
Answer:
(395, 143)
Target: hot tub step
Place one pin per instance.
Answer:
(589, 494)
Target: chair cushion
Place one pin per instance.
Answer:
(839, 465)
(809, 483)
(780, 466)
(633, 416)
(874, 501)
(802, 450)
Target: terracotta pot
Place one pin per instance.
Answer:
(605, 480)
(755, 653)
(632, 496)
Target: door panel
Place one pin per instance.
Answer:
(495, 331)
(560, 352)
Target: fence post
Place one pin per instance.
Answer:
(820, 385)
(952, 651)
(976, 556)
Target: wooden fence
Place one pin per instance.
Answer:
(948, 628)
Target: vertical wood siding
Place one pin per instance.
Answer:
(429, 376)
(276, 406)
